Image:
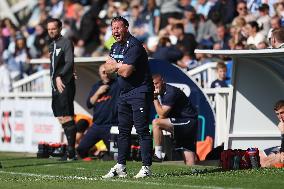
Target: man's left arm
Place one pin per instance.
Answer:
(130, 59)
(68, 58)
(69, 64)
(124, 70)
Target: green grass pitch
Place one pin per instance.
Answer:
(21, 171)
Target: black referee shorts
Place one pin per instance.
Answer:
(63, 103)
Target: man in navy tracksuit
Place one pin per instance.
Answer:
(178, 116)
(129, 59)
(103, 99)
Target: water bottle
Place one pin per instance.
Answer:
(236, 160)
(253, 158)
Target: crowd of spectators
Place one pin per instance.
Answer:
(169, 29)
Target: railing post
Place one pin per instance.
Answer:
(221, 113)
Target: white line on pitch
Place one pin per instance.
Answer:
(110, 180)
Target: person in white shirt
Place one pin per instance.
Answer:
(254, 36)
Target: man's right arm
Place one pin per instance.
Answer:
(98, 93)
(161, 110)
(124, 70)
(281, 128)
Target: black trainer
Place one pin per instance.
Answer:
(156, 159)
(70, 155)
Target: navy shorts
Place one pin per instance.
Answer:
(272, 150)
(63, 103)
(185, 133)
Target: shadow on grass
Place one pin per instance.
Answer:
(2, 164)
(18, 158)
(190, 172)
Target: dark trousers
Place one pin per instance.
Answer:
(134, 109)
(94, 134)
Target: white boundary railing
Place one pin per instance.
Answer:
(204, 74)
(37, 82)
(220, 99)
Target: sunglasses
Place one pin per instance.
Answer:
(242, 8)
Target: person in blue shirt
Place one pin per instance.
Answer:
(129, 60)
(102, 99)
(221, 70)
(176, 115)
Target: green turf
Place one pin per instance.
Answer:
(22, 171)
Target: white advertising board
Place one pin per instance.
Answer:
(25, 123)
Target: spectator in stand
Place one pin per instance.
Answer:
(239, 46)
(102, 99)
(262, 45)
(8, 33)
(69, 9)
(40, 40)
(186, 41)
(166, 51)
(189, 20)
(277, 38)
(226, 9)
(264, 19)
(187, 62)
(203, 7)
(207, 33)
(202, 58)
(221, 70)
(237, 32)
(39, 9)
(123, 8)
(85, 29)
(2, 42)
(56, 9)
(243, 13)
(253, 5)
(223, 37)
(280, 11)
(254, 36)
(176, 115)
(169, 9)
(275, 22)
(18, 62)
(137, 25)
(151, 16)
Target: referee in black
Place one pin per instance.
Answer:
(129, 60)
(61, 52)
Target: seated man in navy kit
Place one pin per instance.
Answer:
(103, 99)
(176, 115)
(129, 60)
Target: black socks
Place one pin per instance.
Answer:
(70, 133)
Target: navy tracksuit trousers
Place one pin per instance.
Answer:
(134, 109)
(94, 134)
